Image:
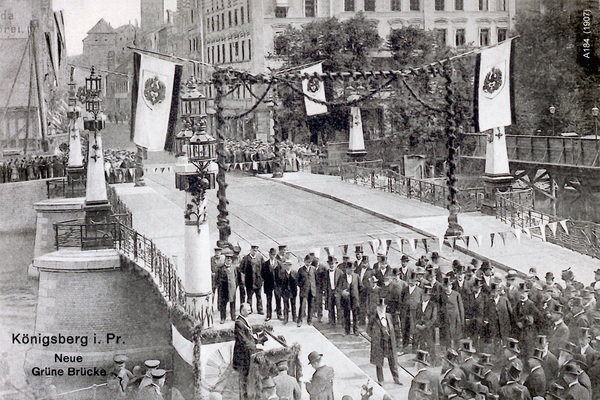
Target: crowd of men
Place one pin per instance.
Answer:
(32, 167)
(495, 336)
(257, 154)
(118, 165)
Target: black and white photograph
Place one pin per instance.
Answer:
(299, 199)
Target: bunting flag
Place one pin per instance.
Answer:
(388, 244)
(345, 249)
(425, 245)
(313, 88)
(517, 233)
(453, 244)
(493, 88)
(553, 226)
(155, 101)
(492, 239)
(374, 245)
(503, 237)
(478, 239)
(400, 243)
(329, 251)
(412, 244)
(528, 232)
(543, 231)
(466, 239)
(564, 226)
(440, 242)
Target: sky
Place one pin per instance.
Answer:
(81, 16)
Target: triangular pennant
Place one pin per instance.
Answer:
(316, 251)
(478, 239)
(162, 170)
(503, 237)
(374, 246)
(328, 250)
(564, 226)
(467, 239)
(528, 232)
(543, 231)
(441, 242)
(400, 243)
(453, 244)
(425, 245)
(553, 226)
(413, 244)
(345, 249)
(492, 239)
(388, 244)
(517, 233)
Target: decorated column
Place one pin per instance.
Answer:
(75, 168)
(493, 111)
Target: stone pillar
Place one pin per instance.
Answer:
(356, 143)
(97, 208)
(497, 176)
(75, 168)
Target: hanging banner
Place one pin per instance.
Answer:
(184, 347)
(493, 98)
(155, 100)
(313, 87)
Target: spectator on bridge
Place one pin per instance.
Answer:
(287, 278)
(268, 271)
(307, 288)
(383, 341)
(320, 386)
(251, 265)
(347, 292)
(226, 284)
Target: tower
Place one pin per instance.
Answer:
(152, 14)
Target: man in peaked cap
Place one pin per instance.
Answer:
(425, 384)
(216, 262)
(226, 285)
(287, 386)
(120, 373)
(154, 390)
(151, 365)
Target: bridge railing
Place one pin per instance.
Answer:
(77, 233)
(556, 150)
(376, 177)
(66, 187)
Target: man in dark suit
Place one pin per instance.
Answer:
(498, 317)
(226, 285)
(288, 291)
(320, 386)
(281, 258)
(573, 389)
(331, 277)
(252, 265)
(347, 292)
(321, 282)
(426, 316)
(307, 288)
(526, 321)
(244, 347)
(382, 269)
(474, 304)
(383, 342)
(410, 299)
(364, 272)
(268, 275)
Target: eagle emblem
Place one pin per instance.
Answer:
(493, 81)
(313, 85)
(154, 90)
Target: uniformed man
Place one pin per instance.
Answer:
(287, 387)
(154, 390)
(269, 389)
(151, 365)
(120, 374)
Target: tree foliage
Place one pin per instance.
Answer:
(550, 70)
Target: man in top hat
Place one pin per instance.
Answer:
(226, 281)
(426, 316)
(574, 389)
(491, 378)
(559, 333)
(536, 380)
(487, 274)
(383, 342)
(307, 289)
(363, 271)
(332, 277)
(281, 258)
(216, 261)
(547, 360)
(526, 320)
(252, 265)
(451, 388)
(513, 389)
(153, 391)
(467, 356)
(347, 292)
(410, 299)
(452, 314)
(426, 383)
(244, 347)
(382, 268)
(474, 304)
(289, 291)
(151, 365)
(287, 386)
(268, 270)
(549, 278)
(498, 314)
(451, 365)
(320, 386)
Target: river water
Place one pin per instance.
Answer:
(18, 300)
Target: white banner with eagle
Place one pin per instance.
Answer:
(152, 102)
(493, 99)
(313, 88)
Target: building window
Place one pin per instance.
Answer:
(192, 16)
(219, 54)
(501, 5)
(280, 12)
(230, 20)
(223, 51)
(223, 20)
(459, 5)
(415, 5)
(237, 49)
(213, 23)
(483, 5)
(248, 19)
(217, 22)
(396, 5)
(230, 52)
(212, 56)
(502, 34)
(484, 37)
(243, 50)
(310, 8)
(242, 15)
(207, 23)
(439, 5)
(249, 49)
(348, 5)
(235, 17)
(441, 34)
(460, 37)
(369, 5)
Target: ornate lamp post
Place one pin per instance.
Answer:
(75, 169)
(200, 149)
(97, 208)
(552, 112)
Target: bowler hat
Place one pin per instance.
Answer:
(572, 369)
(314, 356)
